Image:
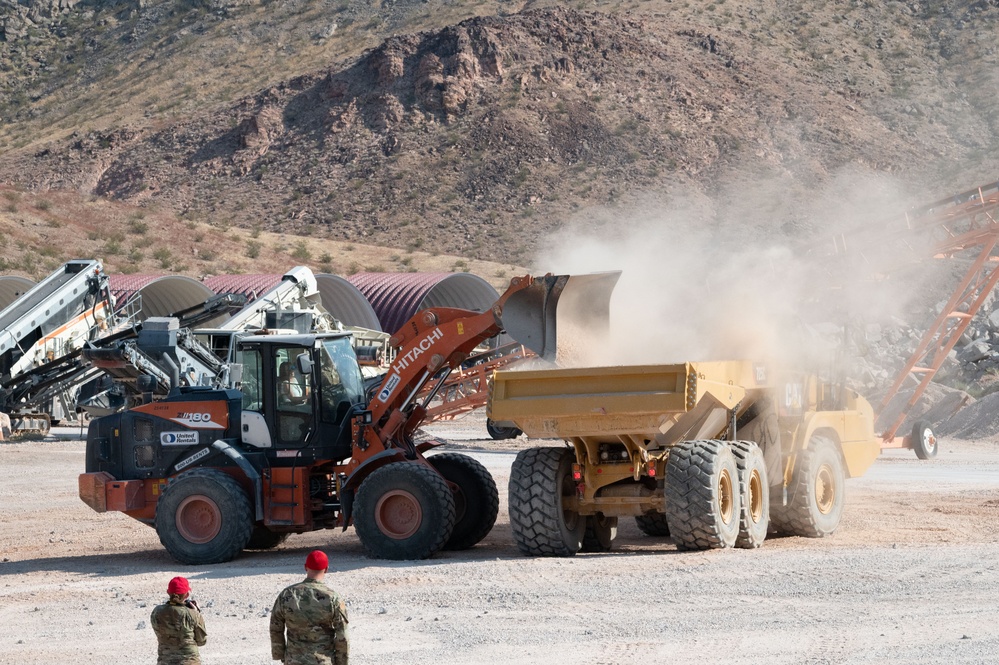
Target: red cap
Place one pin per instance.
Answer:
(178, 586)
(317, 561)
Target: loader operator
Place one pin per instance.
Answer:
(291, 391)
(309, 620)
(179, 626)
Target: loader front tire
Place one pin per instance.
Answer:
(923, 440)
(754, 492)
(702, 495)
(653, 524)
(476, 500)
(203, 517)
(539, 480)
(817, 493)
(404, 511)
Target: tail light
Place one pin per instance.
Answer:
(577, 472)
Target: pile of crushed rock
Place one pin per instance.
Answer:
(961, 401)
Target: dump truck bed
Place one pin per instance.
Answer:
(639, 400)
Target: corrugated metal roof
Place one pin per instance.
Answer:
(251, 286)
(13, 287)
(346, 302)
(162, 295)
(397, 296)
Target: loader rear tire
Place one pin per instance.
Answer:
(601, 531)
(754, 492)
(203, 517)
(816, 495)
(653, 524)
(539, 479)
(501, 433)
(702, 496)
(404, 511)
(476, 501)
(923, 440)
(263, 538)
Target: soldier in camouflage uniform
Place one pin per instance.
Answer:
(179, 626)
(314, 618)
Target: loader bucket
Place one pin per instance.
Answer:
(532, 316)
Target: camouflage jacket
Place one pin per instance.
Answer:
(315, 620)
(179, 631)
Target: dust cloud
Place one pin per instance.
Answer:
(710, 281)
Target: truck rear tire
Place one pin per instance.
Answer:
(539, 479)
(702, 496)
(476, 502)
(203, 517)
(923, 440)
(754, 493)
(601, 531)
(816, 495)
(263, 538)
(653, 524)
(404, 511)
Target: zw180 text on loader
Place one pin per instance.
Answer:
(712, 454)
(304, 446)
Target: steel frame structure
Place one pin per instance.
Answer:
(965, 224)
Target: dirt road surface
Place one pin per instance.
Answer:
(911, 576)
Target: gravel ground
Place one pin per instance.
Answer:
(911, 576)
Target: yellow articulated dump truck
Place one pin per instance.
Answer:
(712, 454)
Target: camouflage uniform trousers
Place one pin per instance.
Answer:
(179, 630)
(309, 626)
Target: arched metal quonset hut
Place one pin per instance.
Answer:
(346, 302)
(251, 286)
(162, 295)
(397, 296)
(13, 287)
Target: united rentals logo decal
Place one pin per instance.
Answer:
(179, 439)
(402, 362)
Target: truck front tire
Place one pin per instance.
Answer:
(653, 524)
(203, 517)
(539, 479)
(404, 511)
(817, 493)
(601, 532)
(499, 433)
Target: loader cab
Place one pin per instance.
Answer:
(299, 393)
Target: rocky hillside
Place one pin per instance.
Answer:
(482, 137)
(205, 136)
